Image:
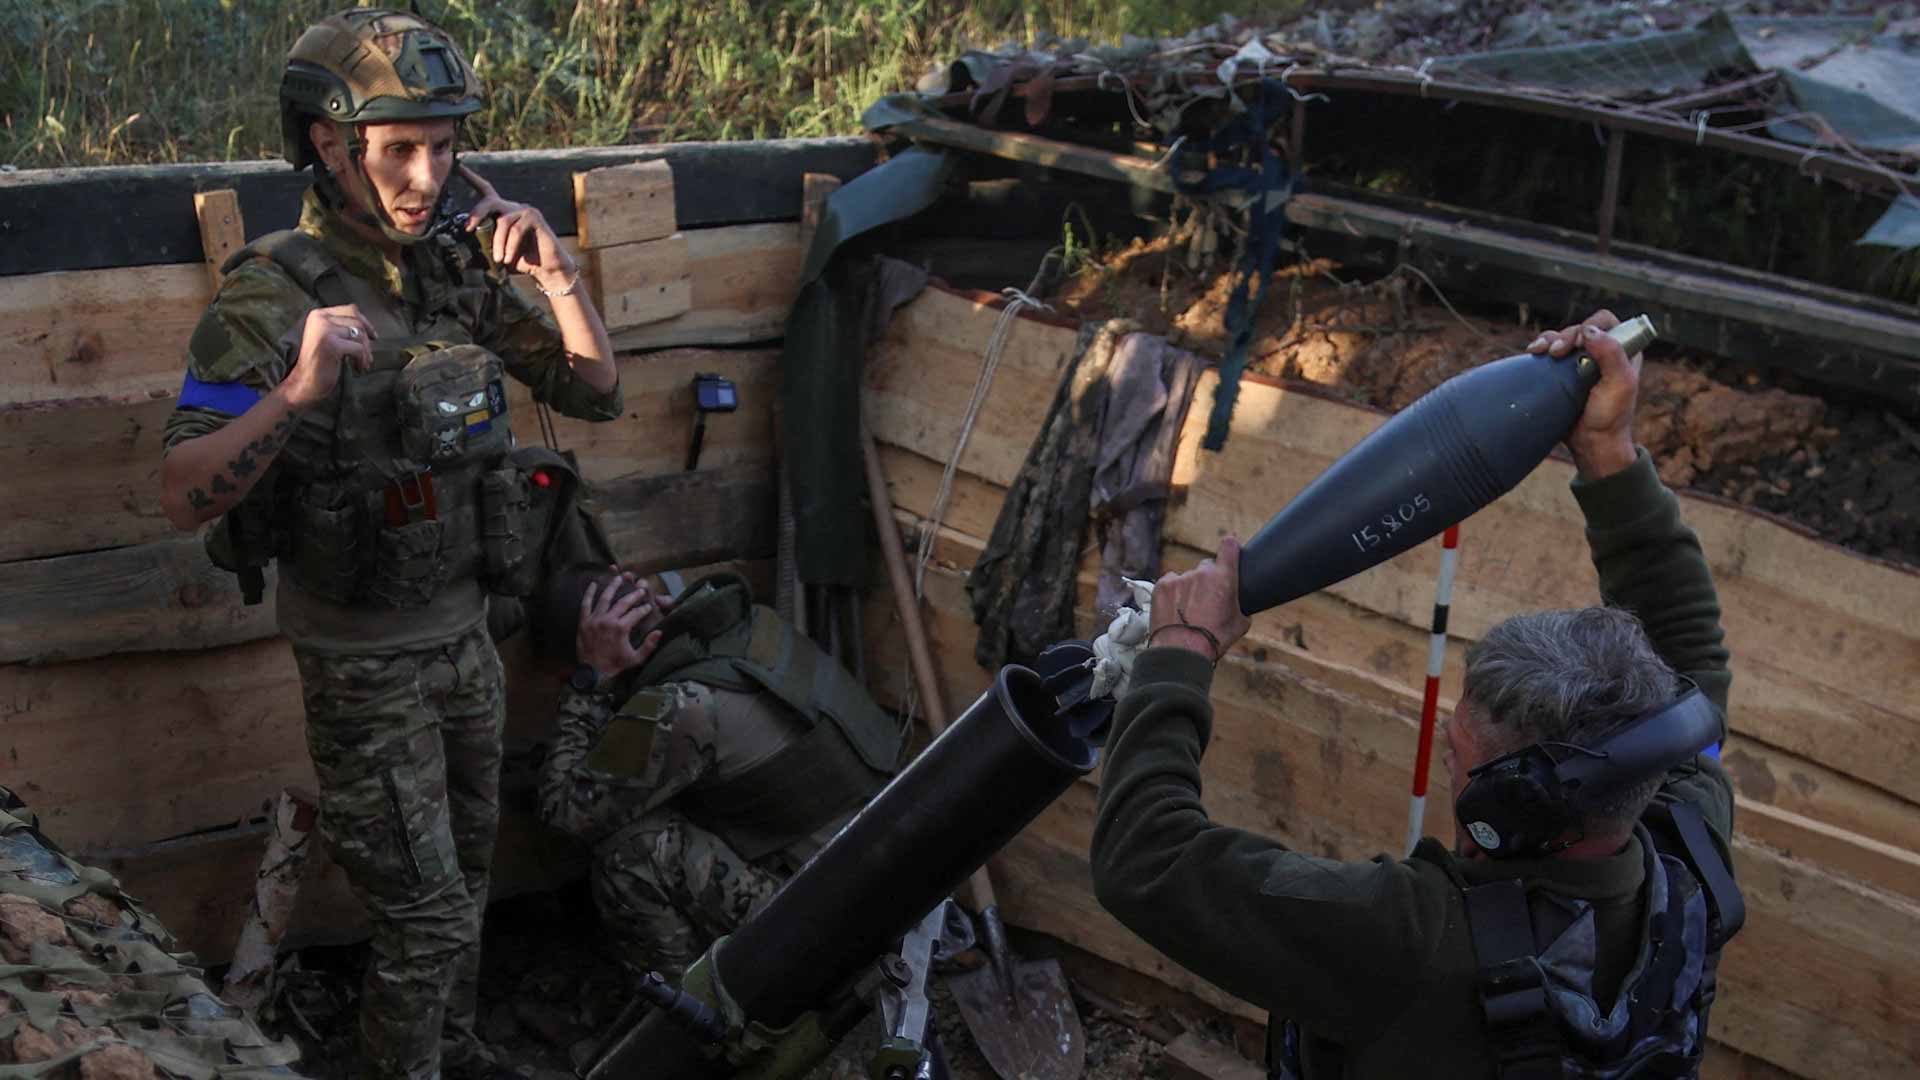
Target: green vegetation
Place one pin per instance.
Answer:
(98, 82)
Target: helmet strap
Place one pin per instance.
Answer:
(370, 213)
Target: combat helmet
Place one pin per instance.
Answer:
(370, 65)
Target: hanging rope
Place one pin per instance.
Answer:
(1018, 300)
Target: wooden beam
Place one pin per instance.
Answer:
(1190, 1057)
(121, 335)
(126, 750)
(674, 520)
(95, 334)
(624, 204)
(636, 284)
(1872, 862)
(82, 476)
(222, 230)
(1876, 352)
(95, 218)
(1639, 253)
(1035, 150)
(744, 281)
(162, 595)
(651, 437)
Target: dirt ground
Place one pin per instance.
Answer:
(550, 988)
(1835, 465)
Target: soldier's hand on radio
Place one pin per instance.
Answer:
(331, 336)
(609, 614)
(1602, 441)
(523, 242)
(1200, 608)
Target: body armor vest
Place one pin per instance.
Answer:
(719, 638)
(1538, 1026)
(401, 483)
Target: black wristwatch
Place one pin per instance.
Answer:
(585, 678)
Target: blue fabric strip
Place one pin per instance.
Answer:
(1712, 751)
(232, 398)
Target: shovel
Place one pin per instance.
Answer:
(1020, 1013)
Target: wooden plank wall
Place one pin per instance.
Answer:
(1315, 732)
(146, 712)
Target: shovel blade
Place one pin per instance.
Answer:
(1037, 1035)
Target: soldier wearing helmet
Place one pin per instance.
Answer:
(344, 416)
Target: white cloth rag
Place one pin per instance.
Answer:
(1115, 650)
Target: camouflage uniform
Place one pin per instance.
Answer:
(404, 706)
(665, 887)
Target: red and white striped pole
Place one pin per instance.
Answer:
(1430, 703)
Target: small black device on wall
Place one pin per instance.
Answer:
(711, 394)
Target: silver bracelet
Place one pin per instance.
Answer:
(568, 291)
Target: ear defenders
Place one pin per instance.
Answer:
(1520, 804)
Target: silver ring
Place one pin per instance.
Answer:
(353, 332)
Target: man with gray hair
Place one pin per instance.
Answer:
(1573, 928)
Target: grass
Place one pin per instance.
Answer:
(99, 82)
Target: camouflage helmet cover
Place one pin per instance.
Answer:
(371, 65)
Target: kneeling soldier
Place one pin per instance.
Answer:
(706, 749)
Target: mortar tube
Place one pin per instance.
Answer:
(1006, 759)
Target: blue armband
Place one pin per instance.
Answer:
(232, 398)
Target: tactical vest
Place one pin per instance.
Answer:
(1694, 908)
(401, 482)
(718, 637)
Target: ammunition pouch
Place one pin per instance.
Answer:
(325, 543)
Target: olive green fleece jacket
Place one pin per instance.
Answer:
(1376, 956)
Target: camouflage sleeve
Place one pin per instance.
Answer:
(607, 767)
(524, 336)
(240, 349)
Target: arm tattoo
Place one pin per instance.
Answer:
(244, 464)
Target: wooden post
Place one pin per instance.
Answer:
(275, 889)
(1610, 188)
(222, 230)
(919, 652)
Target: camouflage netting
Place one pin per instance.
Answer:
(93, 986)
(1607, 52)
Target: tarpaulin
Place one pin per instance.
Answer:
(821, 361)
